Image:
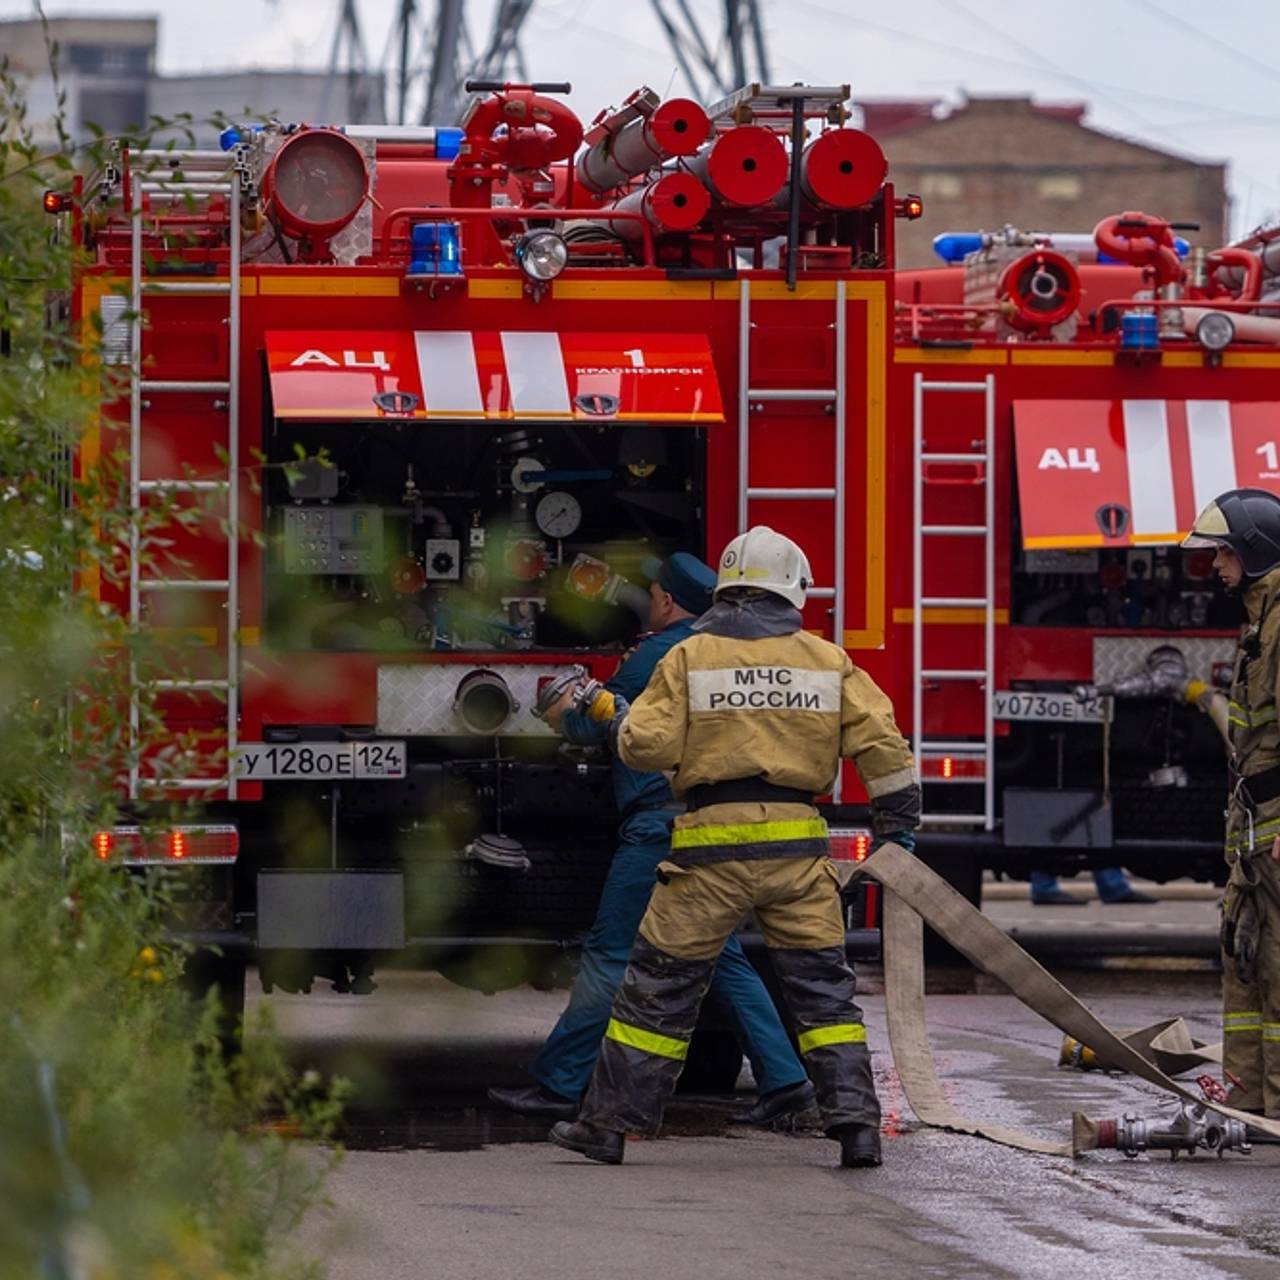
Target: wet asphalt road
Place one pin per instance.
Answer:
(438, 1184)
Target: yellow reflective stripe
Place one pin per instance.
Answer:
(647, 1041)
(1243, 1015)
(749, 833)
(1271, 1030)
(1241, 715)
(1236, 1022)
(842, 1033)
(1262, 833)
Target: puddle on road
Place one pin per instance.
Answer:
(467, 1129)
(471, 1126)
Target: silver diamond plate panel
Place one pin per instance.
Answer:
(1118, 656)
(416, 700)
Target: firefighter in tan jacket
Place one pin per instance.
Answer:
(1243, 527)
(754, 715)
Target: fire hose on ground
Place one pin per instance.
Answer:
(915, 896)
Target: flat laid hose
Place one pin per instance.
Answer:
(914, 896)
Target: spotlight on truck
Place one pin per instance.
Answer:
(542, 255)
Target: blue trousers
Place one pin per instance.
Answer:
(1111, 881)
(565, 1062)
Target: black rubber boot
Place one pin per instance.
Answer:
(603, 1145)
(535, 1100)
(777, 1103)
(859, 1145)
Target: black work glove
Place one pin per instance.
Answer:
(1248, 930)
(1230, 908)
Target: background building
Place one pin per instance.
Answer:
(995, 160)
(106, 68)
(313, 97)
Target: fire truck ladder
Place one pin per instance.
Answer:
(192, 177)
(757, 398)
(925, 535)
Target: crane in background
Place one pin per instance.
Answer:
(430, 53)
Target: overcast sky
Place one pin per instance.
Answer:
(1201, 79)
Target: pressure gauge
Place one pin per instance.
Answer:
(558, 514)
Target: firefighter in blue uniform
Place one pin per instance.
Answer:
(680, 592)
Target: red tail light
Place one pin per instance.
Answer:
(953, 768)
(56, 202)
(850, 844)
(205, 845)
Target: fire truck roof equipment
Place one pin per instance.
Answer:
(315, 183)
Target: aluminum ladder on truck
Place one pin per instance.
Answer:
(928, 535)
(836, 396)
(213, 173)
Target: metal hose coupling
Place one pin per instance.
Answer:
(590, 697)
(1192, 1128)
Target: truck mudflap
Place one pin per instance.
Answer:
(914, 895)
(331, 910)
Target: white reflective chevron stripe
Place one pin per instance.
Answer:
(447, 367)
(1146, 434)
(535, 374)
(765, 689)
(1213, 459)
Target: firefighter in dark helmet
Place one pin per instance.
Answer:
(754, 714)
(1243, 528)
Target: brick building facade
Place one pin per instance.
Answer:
(997, 160)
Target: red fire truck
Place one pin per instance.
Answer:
(440, 395)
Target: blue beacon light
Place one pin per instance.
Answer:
(435, 249)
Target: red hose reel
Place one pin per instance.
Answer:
(1039, 290)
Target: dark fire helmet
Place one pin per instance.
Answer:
(1246, 521)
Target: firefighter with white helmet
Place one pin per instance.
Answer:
(1243, 528)
(754, 714)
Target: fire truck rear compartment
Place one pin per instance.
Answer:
(411, 537)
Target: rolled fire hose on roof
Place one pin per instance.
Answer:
(914, 896)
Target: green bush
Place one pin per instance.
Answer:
(130, 1148)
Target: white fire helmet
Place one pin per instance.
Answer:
(767, 561)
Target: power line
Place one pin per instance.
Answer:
(951, 48)
(1208, 37)
(1039, 59)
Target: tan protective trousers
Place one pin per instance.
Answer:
(1251, 1010)
(692, 912)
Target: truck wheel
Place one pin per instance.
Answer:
(714, 1062)
(225, 973)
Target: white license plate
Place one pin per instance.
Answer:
(307, 761)
(1020, 704)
